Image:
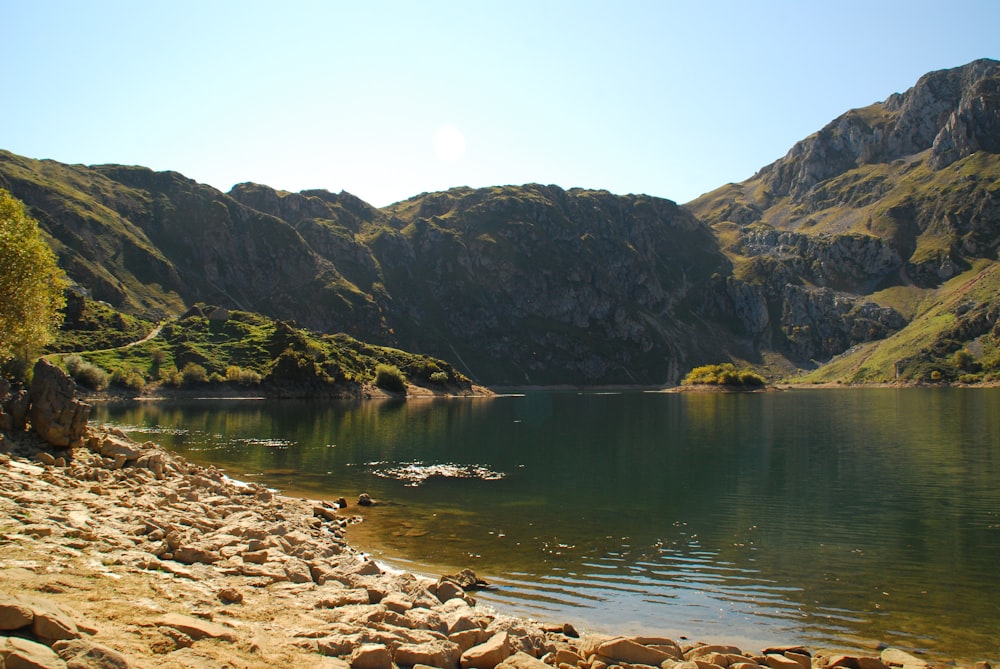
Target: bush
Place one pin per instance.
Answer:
(388, 377)
(194, 374)
(439, 377)
(129, 378)
(724, 374)
(244, 377)
(86, 374)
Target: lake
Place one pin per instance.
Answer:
(838, 518)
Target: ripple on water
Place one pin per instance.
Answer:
(416, 473)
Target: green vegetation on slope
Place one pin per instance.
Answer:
(954, 337)
(213, 347)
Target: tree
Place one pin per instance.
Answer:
(31, 284)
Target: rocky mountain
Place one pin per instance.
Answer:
(837, 244)
(865, 218)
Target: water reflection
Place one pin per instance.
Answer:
(838, 517)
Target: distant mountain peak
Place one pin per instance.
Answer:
(953, 113)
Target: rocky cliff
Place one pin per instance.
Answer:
(900, 195)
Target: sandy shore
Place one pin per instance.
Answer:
(118, 554)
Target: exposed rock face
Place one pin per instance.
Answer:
(849, 261)
(955, 112)
(56, 415)
(524, 281)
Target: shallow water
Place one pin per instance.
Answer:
(838, 518)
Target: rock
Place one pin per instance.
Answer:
(426, 619)
(85, 654)
(399, 602)
(14, 614)
(112, 447)
(446, 590)
(566, 656)
(626, 650)
(893, 657)
(336, 598)
(324, 512)
(230, 596)
(466, 639)
(365, 500)
(50, 623)
(195, 555)
(196, 628)
(298, 571)
(18, 653)
(784, 650)
(870, 663)
(371, 656)
(802, 658)
(443, 654)
(14, 411)
(522, 661)
(777, 661)
(698, 651)
(466, 579)
(55, 413)
(488, 655)
(46, 459)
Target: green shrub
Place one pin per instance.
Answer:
(439, 377)
(194, 374)
(86, 374)
(244, 377)
(129, 378)
(724, 374)
(388, 377)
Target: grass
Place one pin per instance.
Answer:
(953, 318)
(250, 349)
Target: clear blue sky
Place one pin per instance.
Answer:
(667, 98)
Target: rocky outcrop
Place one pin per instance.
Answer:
(953, 112)
(848, 261)
(535, 284)
(55, 413)
(819, 323)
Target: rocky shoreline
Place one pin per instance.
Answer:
(115, 554)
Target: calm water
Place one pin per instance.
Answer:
(839, 518)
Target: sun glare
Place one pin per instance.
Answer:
(449, 143)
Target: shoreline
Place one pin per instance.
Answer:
(171, 564)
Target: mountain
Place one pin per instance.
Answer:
(871, 215)
(845, 242)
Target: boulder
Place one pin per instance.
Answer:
(893, 657)
(14, 613)
(56, 415)
(488, 655)
(443, 654)
(18, 653)
(13, 408)
(371, 656)
(626, 650)
(196, 628)
(85, 654)
(522, 661)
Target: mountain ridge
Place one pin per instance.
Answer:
(833, 245)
